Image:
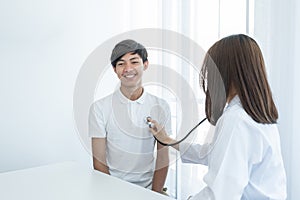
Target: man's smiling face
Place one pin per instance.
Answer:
(130, 70)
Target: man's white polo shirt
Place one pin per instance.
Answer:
(130, 144)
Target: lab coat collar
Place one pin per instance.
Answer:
(234, 101)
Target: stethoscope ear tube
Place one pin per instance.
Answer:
(172, 144)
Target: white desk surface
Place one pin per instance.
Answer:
(67, 181)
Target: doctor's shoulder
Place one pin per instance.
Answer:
(235, 120)
(238, 123)
(232, 115)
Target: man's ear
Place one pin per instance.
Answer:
(115, 69)
(146, 63)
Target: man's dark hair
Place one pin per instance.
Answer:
(127, 46)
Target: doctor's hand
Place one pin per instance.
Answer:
(159, 132)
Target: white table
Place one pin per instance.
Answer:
(69, 181)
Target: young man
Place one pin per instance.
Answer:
(122, 144)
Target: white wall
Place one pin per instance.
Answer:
(277, 30)
(43, 44)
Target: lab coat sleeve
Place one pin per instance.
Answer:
(193, 153)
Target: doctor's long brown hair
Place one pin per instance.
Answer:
(236, 62)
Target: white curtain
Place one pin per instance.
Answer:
(277, 30)
(203, 22)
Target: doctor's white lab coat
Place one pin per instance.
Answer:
(244, 161)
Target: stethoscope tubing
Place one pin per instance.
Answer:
(177, 142)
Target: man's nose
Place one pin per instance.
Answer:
(128, 67)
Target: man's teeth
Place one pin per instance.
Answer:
(129, 76)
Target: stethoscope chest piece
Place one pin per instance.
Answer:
(150, 124)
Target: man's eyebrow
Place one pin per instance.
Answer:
(133, 58)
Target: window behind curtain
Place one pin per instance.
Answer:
(204, 22)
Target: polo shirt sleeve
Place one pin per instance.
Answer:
(96, 122)
(165, 118)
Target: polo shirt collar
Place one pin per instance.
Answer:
(125, 100)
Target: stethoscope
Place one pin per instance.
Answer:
(150, 124)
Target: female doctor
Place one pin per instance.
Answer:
(244, 160)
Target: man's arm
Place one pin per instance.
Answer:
(99, 154)
(161, 168)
